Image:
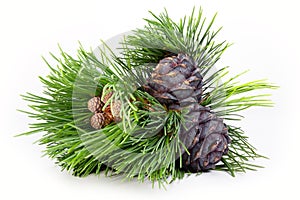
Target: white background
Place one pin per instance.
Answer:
(266, 41)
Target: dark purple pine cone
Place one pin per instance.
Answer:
(209, 144)
(174, 79)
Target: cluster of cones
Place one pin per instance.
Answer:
(175, 82)
(104, 114)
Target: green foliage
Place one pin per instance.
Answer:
(145, 145)
(162, 36)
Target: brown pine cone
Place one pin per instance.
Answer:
(106, 97)
(108, 113)
(95, 104)
(100, 120)
(116, 109)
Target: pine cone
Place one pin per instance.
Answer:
(107, 96)
(108, 113)
(209, 144)
(95, 104)
(175, 79)
(100, 120)
(116, 109)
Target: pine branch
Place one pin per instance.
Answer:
(146, 144)
(163, 36)
(228, 98)
(62, 114)
(240, 153)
